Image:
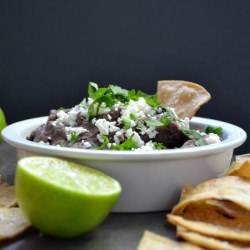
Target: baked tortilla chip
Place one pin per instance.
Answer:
(7, 196)
(184, 97)
(152, 241)
(209, 242)
(186, 189)
(240, 167)
(12, 222)
(242, 157)
(228, 208)
(211, 230)
(216, 214)
(232, 188)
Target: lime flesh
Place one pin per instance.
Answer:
(61, 198)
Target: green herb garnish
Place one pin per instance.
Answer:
(105, 142)
(140, 126)
(113, 94)
(209, 129)
(73, 137)
(156, 123)
(165, 120)
(153, 122)
(199, 140)
(129, 144)
(126, 120)
(158, 145)
(62, 143)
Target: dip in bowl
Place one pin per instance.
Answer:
(151, 180)
(151, 169)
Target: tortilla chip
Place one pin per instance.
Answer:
(184, 97)
(152, 241)
(186, 189)
(240, 168)
(209, 242)
(211, 230)
(7, 196)
(217, 215)
(228, 208)
(242, 157)
(232, 188)
(12, 222)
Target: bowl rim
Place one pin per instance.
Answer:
(14, 134)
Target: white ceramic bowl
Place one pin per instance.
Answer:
(151, 180)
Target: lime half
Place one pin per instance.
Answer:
(2, 123)
(62, 198)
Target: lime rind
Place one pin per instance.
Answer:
(2, 123)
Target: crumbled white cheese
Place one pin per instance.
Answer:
(132, 123)
(42, 142)
(151, 132)
(86, 144)
(102, 109)
(119, 136)
(138, 108)
(109, 117)
(89, 101)
(149, 146)
(67, 118)
(99, 137)
(212, 138)
(105, 127)
(136, 137)
(76, 130)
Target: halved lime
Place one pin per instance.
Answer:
(2, 123)
(62, 198)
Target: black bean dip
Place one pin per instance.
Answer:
(117, 119)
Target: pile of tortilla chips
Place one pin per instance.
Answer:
(214, 214)
(12, 220)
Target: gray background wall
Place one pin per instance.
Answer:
(50, 50)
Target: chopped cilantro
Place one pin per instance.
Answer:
(165, 120)
(112, 94)
(153, 122)
(158, 145)
(73, 137)
(127, 120)
(141, 126)
(156, 123)
(151, 100)
(92, 88)
(129, 144)
(170, 112)
(107, 99)
(196, 136)
(61, 108)
(105, 142)
(209, 129)
(119, 93)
